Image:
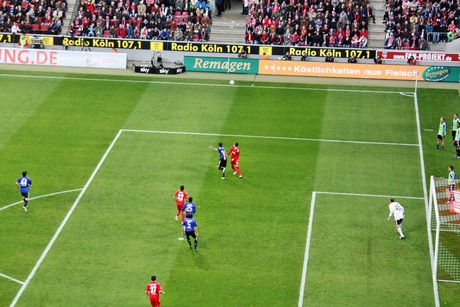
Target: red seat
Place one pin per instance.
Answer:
(177, 14)
(106, 33)
(406, 46)
(44, 28)
(24, 5)
(195, 37)
(35, 28)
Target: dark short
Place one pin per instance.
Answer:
(399, 222)
(25, 194)
(440, 137)
(222, 163)
(454, 133)
(190, 234)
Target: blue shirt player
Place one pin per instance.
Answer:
(189, 207)
(190, 229)
(222, 158)
(23, 185)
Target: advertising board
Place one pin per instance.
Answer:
(223, 65)
(62, 58)
(341, 70)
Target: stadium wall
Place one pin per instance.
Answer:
(142, 52)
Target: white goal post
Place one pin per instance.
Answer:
(443, 217)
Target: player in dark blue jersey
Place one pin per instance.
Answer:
(23, 185)
(189, 207)
(190, 229)
(222, 158)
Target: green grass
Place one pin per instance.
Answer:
(252, 231)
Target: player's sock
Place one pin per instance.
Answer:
(26, 202)
(196, 244)
(400, 232)
(239, 171)
(189, 243)
(437, 146)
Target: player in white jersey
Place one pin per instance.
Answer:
(398, 212)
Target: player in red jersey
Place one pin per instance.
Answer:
(235, 152)
(153, 291)
(180, 197)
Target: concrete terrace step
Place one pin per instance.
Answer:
(225, 31)
(229, 24)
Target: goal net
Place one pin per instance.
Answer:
(444, 207)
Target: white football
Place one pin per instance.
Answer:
(232, 82)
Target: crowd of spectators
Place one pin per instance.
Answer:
(321, 23)
(179, 20)
(23, 16)
(411, 24)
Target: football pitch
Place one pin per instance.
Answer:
(306, 226)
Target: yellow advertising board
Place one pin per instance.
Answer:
(340, 70)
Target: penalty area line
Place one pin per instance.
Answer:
(268, 137)
(307, 250)
(369, 195)
(40, 196)
(64, 221)
(12, 279)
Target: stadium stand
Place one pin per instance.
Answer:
(322, 23)
(410, 25)
(32, 16)
(180, 20)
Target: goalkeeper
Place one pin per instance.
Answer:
(398, 212)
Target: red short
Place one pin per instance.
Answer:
(155, 301)
(234, 162)
(179, 207)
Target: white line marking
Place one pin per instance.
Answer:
(69, 213)
(369, 195)
(268, 137)
(307, 250)
(407, 94)
(37, 197)
(428, 129)
(12, 279)
(425, 195)
(202, 84)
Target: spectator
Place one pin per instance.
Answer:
(287, 57)
(411, 61)
(352, 60)
(164, 34)
(390, 42)
(243, 54)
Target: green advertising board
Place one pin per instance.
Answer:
(442, 74)
(226, 65)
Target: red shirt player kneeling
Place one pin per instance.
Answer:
(235, 152)
(153, 291)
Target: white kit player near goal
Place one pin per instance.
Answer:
(398, 212)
